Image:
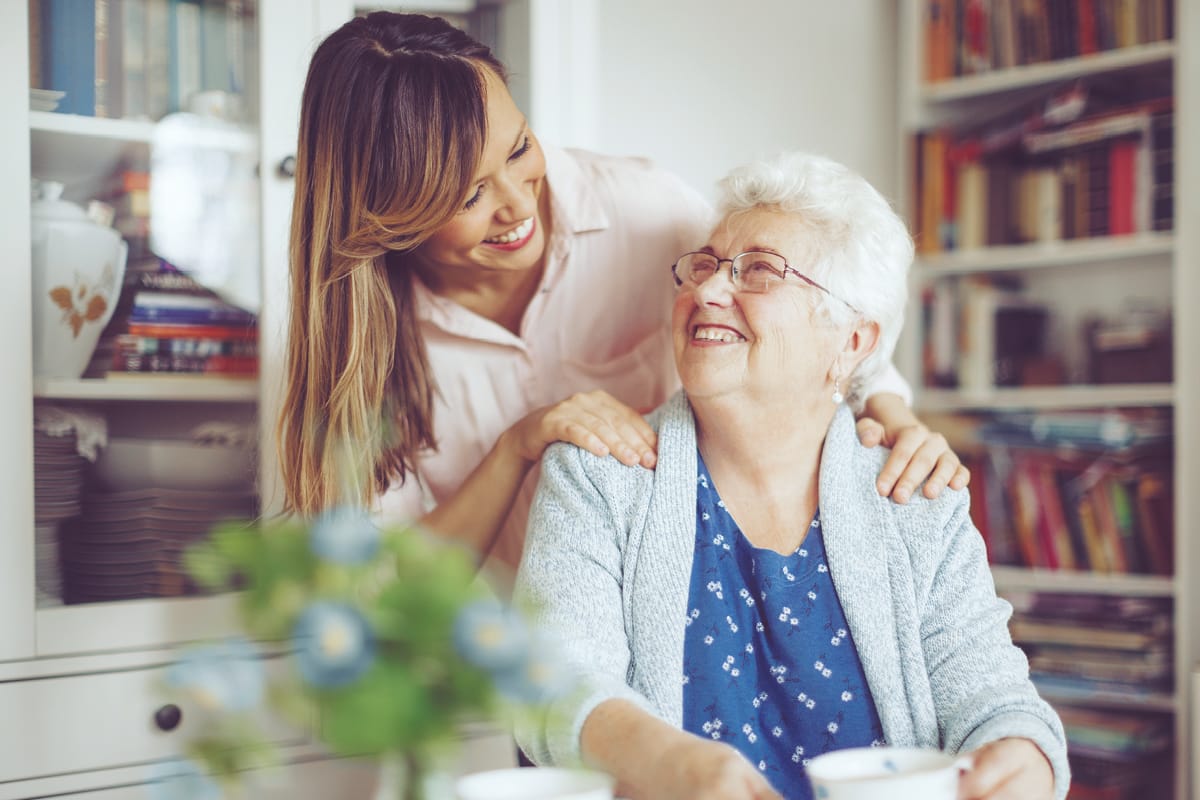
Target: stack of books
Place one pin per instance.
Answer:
(1116, 755)
(1085, 647)
(172, 324)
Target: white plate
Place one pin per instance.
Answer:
(45, 99)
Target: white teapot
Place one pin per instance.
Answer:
(78, 267)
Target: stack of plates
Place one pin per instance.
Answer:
(57, 477)
(130, 544)
(44, 99)
(47, 576)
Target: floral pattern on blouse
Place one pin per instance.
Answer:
(769, 665)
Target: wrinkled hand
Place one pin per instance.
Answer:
(595, 421)
(1008, 769)
(701, 769)
(918, 454)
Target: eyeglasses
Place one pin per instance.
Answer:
(754, 271)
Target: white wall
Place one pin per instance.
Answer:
(703, 85)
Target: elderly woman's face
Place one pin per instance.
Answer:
(758, 347)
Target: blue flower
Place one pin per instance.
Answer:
(225, 676)
(538, 678)
(491, 636)
(334, 644)
(181, 779)
(344, 535)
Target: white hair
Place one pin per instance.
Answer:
(861, 250)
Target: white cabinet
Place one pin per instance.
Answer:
(1070, 273)
(80, 683)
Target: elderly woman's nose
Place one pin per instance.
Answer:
(716, 289)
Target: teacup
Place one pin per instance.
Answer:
(886, 773)
(535, 783)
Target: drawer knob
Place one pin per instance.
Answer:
(168, 717)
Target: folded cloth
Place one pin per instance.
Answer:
(90, 428)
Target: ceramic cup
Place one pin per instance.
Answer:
(535, 783)
(886, 773)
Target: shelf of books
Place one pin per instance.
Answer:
(1039, 174)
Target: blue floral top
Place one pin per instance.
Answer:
(769, 665)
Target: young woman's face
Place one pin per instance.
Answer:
(498, 227)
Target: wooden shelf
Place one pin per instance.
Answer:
(1044, 580)
(1072, 253)
(973, 86)
(1047, 398)
(150, 388)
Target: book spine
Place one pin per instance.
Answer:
(186, 69)
(192, 331)
(100, 71)
(133, 59)
(157, 58)
(69, 54)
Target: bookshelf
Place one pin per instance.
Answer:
(1072, 278)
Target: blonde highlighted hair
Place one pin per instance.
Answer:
(392, 125)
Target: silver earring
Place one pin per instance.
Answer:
(838, 398)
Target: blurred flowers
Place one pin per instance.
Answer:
(226, 676)
(388, 642)
(334, 644)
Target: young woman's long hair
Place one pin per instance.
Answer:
(392, 126)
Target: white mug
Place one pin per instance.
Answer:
(886, 773)
(535, 783)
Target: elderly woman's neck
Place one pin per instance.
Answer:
(765, 464)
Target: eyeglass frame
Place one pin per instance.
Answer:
(733, 273)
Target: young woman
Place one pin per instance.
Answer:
(462, 297)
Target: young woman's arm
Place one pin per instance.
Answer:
(918, 454)
(594, 421)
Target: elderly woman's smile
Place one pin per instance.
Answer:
(716, 334)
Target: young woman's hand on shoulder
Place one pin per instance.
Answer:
(595, 421)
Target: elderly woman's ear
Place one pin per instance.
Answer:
(862, 342)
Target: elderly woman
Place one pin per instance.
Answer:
(754, 602)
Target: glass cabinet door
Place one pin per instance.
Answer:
(146, 266)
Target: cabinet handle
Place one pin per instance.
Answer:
(287, 167)
(168, 717)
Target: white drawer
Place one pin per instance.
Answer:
(89, 722)
(312, 780)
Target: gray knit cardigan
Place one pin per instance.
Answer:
(608, 564)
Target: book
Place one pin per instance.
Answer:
(1154, 515)
(1106, 525)
(193, 331)
(185, 60)
(68, 47)
(100, 79)
(1115, 731)
(1122, 160)
(233, 366)
(158, 58)
(1052, 524)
